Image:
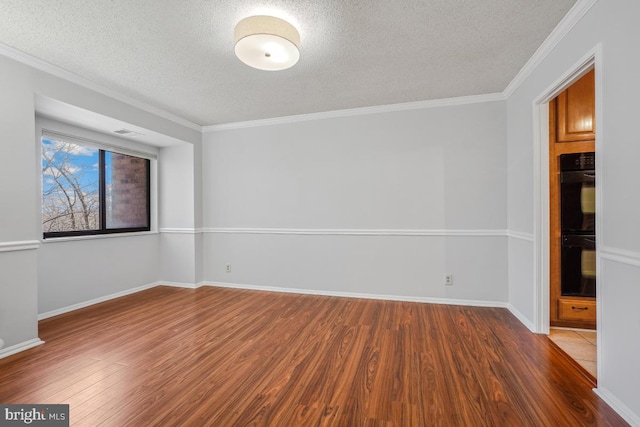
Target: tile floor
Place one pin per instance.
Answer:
(579, 344)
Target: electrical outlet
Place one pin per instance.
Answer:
(228, 268)
(448, 279)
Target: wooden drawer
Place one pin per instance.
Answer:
(583, 310)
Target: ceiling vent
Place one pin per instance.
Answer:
(127, 132)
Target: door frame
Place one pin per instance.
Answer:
(592, 59)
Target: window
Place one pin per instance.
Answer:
(88, 190)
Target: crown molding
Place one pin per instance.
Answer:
(572, 17)
(54, 70)
(445, 102)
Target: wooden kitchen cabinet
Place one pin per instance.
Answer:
(571, 130)
(576, 111)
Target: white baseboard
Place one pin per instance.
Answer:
(95, 301)
(604, 394)
(430, 300)
(622, 409)
(448, 301)
(26, 345)
(116, 295)
(522, 318)
(179, 284)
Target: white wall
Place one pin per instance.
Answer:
(23, 261)
(613, 23)
(18, 297)
(376, 204)
(18, 213)
(287, 204)
(75, 271)
(175, 177)
(177, 214)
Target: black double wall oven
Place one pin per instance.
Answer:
(578, 225)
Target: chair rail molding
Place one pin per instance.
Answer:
(360, 232)
(620, 255)
(22, 245)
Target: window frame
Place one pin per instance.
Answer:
(102, 150)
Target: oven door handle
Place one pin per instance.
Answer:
(588, 176)
(579, 241)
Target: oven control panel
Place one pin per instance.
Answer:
(578, 161)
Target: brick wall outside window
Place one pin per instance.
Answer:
(128, 193)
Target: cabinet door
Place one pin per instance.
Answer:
(576, 111)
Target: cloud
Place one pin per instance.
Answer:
(52, 146)
(51, 172)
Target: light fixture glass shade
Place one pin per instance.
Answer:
(267, 43)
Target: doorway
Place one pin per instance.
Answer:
(575, 322)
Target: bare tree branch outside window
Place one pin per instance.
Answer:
(70, 195)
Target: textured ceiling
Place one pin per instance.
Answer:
(178, 55)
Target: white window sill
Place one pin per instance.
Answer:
(98, 236)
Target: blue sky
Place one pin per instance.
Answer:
(81, 160)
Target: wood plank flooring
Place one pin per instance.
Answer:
(225, 357)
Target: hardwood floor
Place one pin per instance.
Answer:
(225, 357)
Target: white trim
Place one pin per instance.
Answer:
(359, 232)
(566, 24)
(444, 102)
(26, 345)
(97, 236)
(54, 70)
(572, 17)
(179, 284)
(474, 303)
(623, 410)
(593, 58)
(521, 317)
(520, 235)
(620, 255)
(22, 245)
(179, 231)
(598, 65)
(95, 301)
(116, 295)
(540, 286)
(429, 300)
(577, 70)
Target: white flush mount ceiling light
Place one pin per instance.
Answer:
(267, 43)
